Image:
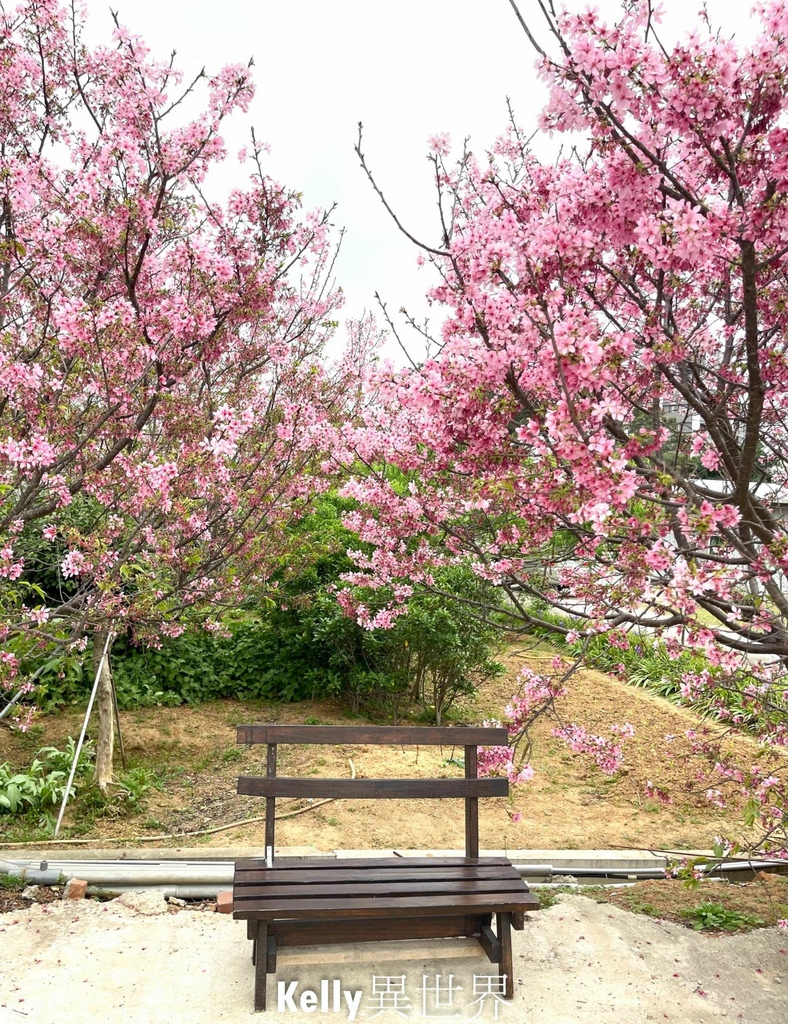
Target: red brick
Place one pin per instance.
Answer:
(224, 902)
(75, 889)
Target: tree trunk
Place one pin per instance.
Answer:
(106, 715)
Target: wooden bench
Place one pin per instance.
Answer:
(329, 900)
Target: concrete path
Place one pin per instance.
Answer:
(133, 961)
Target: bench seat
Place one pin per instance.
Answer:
(353, 888)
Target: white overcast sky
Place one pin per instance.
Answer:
(407, 69)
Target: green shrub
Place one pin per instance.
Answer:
(61, 676)
(301, 645)
(708, 916)
(440, 651)
(251, 663)
(40, 787)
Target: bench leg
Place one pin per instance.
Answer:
(505, 964)
(261, 964)
(251, 932)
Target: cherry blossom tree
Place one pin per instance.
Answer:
(162, 385)
(602, 427)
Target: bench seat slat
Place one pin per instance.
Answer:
(362, 890)
(304, 877)
(371, 789)
(404, 906)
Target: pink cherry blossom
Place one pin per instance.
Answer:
(612, 336)
(165, 397)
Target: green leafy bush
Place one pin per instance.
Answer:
(298, 644)
(441, 650)
(273, 659)
(714, 917)
(41, 786)
(305, 647)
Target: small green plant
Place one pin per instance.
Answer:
(11, 882)
(642, 907)
(134, 784)
(128, 793)
(61, 760)
(709, 916)
(40, 787)
(547, 898)
(232, 754)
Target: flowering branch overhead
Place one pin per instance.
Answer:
(603, 430)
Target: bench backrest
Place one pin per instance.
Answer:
(470, 788)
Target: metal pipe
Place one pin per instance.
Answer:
(6, 710)
(182, 892)
(206, 878)
(125, 873)
(643, 874)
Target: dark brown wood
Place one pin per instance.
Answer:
(261, 963)
(366, 890)
(270, 965)
(335, 931)
(270, 804)
(405, 906)
(427, 735)
(471, 806)
(371, 789)
(474, 924)
(370, 875)
(490, 943)
(506, 963)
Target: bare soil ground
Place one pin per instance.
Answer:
(763, 899)
(134, 961)
(570, 804)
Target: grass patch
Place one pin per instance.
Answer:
(723, 906)
(713, 905)
(713, 917)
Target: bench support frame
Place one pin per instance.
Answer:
(273, 936)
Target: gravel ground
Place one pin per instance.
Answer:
(135, 960)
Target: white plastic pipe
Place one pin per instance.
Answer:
(82, 735)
